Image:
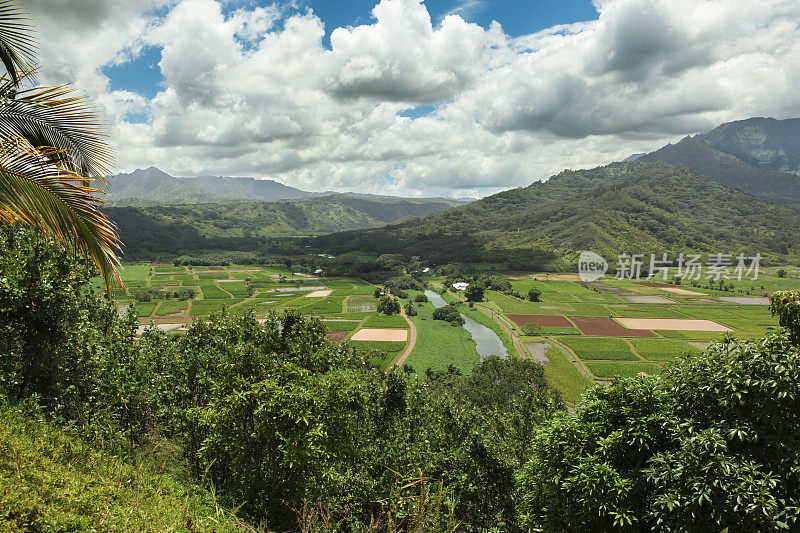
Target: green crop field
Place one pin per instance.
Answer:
(594, 348)
(662, 349)
(439, 344)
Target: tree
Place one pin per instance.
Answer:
(410, 309)
(388, 305)
(534, 295)
(677, 454)
(474, 292)
(421, 298)
(781, 273)
(448, 313)
(378, 292)
(54, 151)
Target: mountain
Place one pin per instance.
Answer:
(153, 186)
(243, 225)
(246, 188)
(761, 142)
(633, 157)
(636, 207)
(727, 169)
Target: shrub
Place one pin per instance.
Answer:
(388, 306)
(534, 295)
(421, 298)
(448, 313)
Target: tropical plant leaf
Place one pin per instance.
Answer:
(17, 41)
(53, 199)
(55, 117)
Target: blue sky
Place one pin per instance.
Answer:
(517, 17)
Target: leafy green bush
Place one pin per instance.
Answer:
(448, 313)
(388, 305)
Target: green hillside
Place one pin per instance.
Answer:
(761, 142)
(242, 225)
(622, 207)
(696, 153)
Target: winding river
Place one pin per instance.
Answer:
(486, 341)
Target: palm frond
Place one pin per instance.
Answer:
(35, 190)
(17, 41)
(55, 117)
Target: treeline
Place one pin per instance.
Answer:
(300, 433)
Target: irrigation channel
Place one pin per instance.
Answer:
(486, 341)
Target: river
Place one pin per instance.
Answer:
(486, 341)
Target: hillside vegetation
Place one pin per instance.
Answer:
(243, 225)
(298, 433)
(622, 207)
(727, 169)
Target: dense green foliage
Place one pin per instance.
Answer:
(248, 225)
(712, 446)
(388, 305)
(305, 434)
(623, 207)
(448, 313)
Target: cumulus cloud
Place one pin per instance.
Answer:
(253, 91)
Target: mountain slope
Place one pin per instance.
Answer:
(153, 186)
(619, 208)
(246, 188)
(696, 153)
(186, 228)
(761, 142)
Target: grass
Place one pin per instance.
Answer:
(564, 376)
(533, 329)
(170, 307)
(595, 348)
(610, 369)
(237, 288)
(51, 482)
(328, 305)
(439, 344)
(340, 325)
(662, 349)
(383, 321)
(206, 307)
(144, 309)
(212, 292)
(382, 346)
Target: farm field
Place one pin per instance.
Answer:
(585, 333)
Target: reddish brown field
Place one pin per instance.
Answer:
(541, 320)
(336, 335)
(215, 268)
(607, 327)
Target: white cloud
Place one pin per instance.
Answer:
(255, 92)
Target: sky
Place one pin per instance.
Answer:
(415, 98)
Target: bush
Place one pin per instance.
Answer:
(421, 298)
(448, 313)
(388, 306)
(474, 292)
(410, 309)
(534, 295)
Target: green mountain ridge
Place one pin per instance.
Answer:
(242, 225)
(727, 169)
(635, 207)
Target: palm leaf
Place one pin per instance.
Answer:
(17, 43)
(54, 117)
(53, 199)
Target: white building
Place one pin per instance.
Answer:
(460, 285)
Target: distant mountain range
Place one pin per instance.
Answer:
(152, 186)
(690, 196)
